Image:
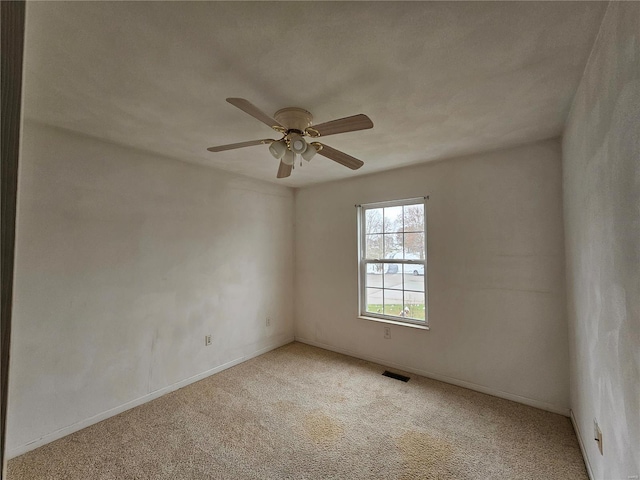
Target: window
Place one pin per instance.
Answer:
(393, 261)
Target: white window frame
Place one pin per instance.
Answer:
(363, 262)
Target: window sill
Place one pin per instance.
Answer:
(393, 322)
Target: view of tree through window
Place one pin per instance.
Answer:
(394, 259)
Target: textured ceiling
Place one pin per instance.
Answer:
(438, 79)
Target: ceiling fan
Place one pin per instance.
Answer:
(294, 124)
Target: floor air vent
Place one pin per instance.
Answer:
(397, 376)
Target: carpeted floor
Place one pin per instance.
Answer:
(300, 412)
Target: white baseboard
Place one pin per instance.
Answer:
(63, 432)
(581, 443)
(444, 378)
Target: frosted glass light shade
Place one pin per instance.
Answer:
(288, 157)
(298, 145)
(278, 149)
(309, 153)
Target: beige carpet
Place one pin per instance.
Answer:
(300, 412)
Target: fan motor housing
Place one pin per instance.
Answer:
(294, 118)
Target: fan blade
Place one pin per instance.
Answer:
(255, 112)
(231, 146)
(338, 156)
(284, 170)
(342, 125)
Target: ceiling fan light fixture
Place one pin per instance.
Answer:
(278, 149)
(294, 123)
(298, 145)
(288, 157)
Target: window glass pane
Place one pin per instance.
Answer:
(393, 245)
(374, 300)
(392, 219)
(414, 305)
(414, 218)
(392, 302)
(393, 276)
(414, 246)
(374, 246)
(374, 275)
(373, 220)
(414, 277)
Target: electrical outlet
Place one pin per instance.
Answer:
(387, 332)
(268, 321)
(597, 435)
(207, 340)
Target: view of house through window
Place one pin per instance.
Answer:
(393, 261)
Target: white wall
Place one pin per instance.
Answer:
(601, 165)
(124, 262)
(496, 273)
